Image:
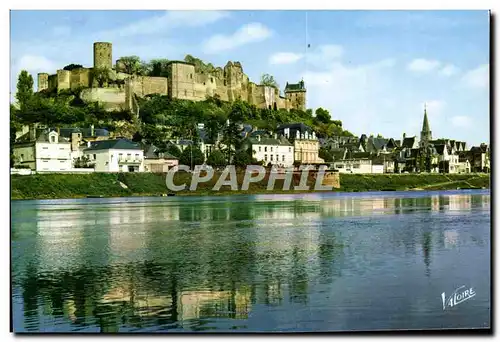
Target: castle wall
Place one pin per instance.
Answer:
(80, 78)
(52, 82)
(182, 81)
(297, 99)
(63, 79)
(110, 98)
(43, 81)
(146, 85)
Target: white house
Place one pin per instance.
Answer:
(118, 155)
(355, 166)
(45, 152)
(277, 151)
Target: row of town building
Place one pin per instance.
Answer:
(89, 149)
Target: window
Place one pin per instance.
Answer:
(356, 166)
(45, 148)
(211, 79)
(191, 76)
(95, 156)
(45, 161)
(340, 166)
(271, 157)
(290, 149)
(283, 158)
(185, 92)
(265, 149)
(277, 158)
(265, 157)
(61, 148)
(271, 148)
(137, 156)
(61, 161)
(260, 148)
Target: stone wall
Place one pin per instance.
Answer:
(63, 79)
(103, 57)
(52, 82)
(43, 81)
(181, 81)
(80, 78)
(111, 98)
(146, 85)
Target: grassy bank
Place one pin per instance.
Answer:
(46, 186)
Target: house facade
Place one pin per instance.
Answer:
(48, 152)
(155, 161)
(274, 150)
(118, 155)
(305, 142)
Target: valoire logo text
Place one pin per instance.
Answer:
(460, 295)
(253, 174)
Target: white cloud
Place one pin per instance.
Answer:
(449, 70)
(423, 65)
(461, 121)
(477, 78)
(352, 93)
(166, 21)
(285, 58)
(246, 34)
(35, 64)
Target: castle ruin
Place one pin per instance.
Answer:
(183, 82)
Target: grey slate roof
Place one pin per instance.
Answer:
(116, 144)
(270, 141)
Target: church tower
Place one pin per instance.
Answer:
(425, 134)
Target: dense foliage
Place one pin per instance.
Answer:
(72, 66)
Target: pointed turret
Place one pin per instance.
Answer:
(425, 134)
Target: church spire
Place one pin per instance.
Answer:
(425, 126)
(425, 134)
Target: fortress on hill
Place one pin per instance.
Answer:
(120, 91)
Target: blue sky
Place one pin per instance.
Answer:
(374, 70)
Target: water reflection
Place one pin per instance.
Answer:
(201, 264)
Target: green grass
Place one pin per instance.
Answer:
(44, 186)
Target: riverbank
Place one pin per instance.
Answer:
(52, 186)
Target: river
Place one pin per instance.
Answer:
(308, 262)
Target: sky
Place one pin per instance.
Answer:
(373, 70)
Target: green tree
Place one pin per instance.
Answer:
(325, 155)
(242, 158)
(129, 64)
(159, 67)
(268, 80)
(24, 89)
(173, 150)
(216, 158)
(192, 156)
(101, 76)
(322, 115)
(72, 66)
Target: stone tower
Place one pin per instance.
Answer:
(426, 133)
(103, 57)
(295, 95)
(181, 80)
(43, 81)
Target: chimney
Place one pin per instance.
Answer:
(32, 132)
